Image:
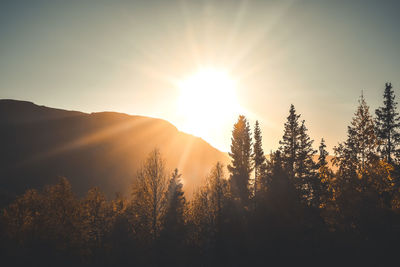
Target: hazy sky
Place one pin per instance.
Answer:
(122, 56)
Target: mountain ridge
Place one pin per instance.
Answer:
(102, 149)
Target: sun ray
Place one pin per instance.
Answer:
(261, 34)
(89, 139)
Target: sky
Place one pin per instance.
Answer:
(129, 56)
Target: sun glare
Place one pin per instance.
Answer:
(208, 99)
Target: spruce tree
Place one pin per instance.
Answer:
(175, 198)
(174, 232)
(359, 150)
(259, 161)
(387, 124)
(305, 169)
(241, 164)
(363, 180)
(305, 166)
(323, 190)
(218, 193)
(297, 153)
(289, 142)
(322, 162)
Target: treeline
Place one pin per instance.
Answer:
(285, 209)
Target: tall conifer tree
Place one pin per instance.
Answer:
(218, 189)
(323, 189)
(359, 150)
(297, 153)
(173, 235)
(305, 166)
(241, 165)
(259, 160)
(387, 126)
(322, 162)
(361, 144)
(175, 198)
(363, 181)
(289, 142)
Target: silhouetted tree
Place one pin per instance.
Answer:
(59, 214)
(289, 143)
(297, 151)
(149, 194)
(305, 167)
(96, 217)
(362, 179)
(324, 187)
(259, 160)
(46, 225)
(175, 206)
(323, 154)
(387, 126)
(218, 191)
(241, 165)
(360, 149)
(174, 232)
(200, 217)
(23, 219)
(175, 203)
(207, 213)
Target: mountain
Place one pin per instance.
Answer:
(40, 144)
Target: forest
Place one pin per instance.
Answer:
(292, 207)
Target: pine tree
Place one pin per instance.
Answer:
(174, 231)
(323, 191)
(305, 166)
(259, 161)
(387, 124)
(359, 150)
(305, 169)
(176, 201)
(363, 180)
(322, 163)
(289, 142)
(241, 165)
(218, 192)
(297, 153)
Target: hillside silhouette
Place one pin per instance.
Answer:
(40, 144)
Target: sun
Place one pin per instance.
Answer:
(208, 99)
